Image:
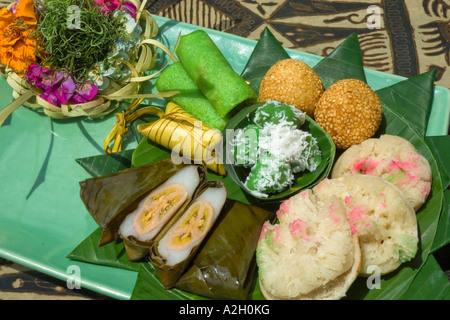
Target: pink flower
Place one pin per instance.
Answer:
(112, 5)
(59, 88)
(34, 74)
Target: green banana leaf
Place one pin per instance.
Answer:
(439, 146)
(344, 62)
(148, 151)
(411, 97)
(305, 180)
(260, 61)
(148, 287)
(433, 217)
(442, 237)
(105, 164)
(437, 286)
(112, 254)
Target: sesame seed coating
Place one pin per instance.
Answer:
(294, 82)
(349, 111)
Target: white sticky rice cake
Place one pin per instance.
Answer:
(311, 254)
(382, 217)
(392, 158)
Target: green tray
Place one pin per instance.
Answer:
(42, 217)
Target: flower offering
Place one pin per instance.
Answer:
(75, 57)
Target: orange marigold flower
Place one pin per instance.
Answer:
(17, 45)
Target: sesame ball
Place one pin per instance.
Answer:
(294, 82)
(349, 111)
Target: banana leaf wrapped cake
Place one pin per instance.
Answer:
(188, 139)
(225, 267)
(141, 226)
(175, 247)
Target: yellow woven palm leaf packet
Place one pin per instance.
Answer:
(188, 138)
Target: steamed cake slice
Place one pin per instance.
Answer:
(392, 158)
(381, 216)
(311, 253)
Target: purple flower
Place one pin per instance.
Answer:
(13, 7)
(51, 79)
(65, 90)
(50, 98)
(85, 92)
(59, 88)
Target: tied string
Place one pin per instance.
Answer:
(120, 128)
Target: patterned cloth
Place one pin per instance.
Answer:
(396, 36)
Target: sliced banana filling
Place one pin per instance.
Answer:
(185, 236)
(159, 207)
